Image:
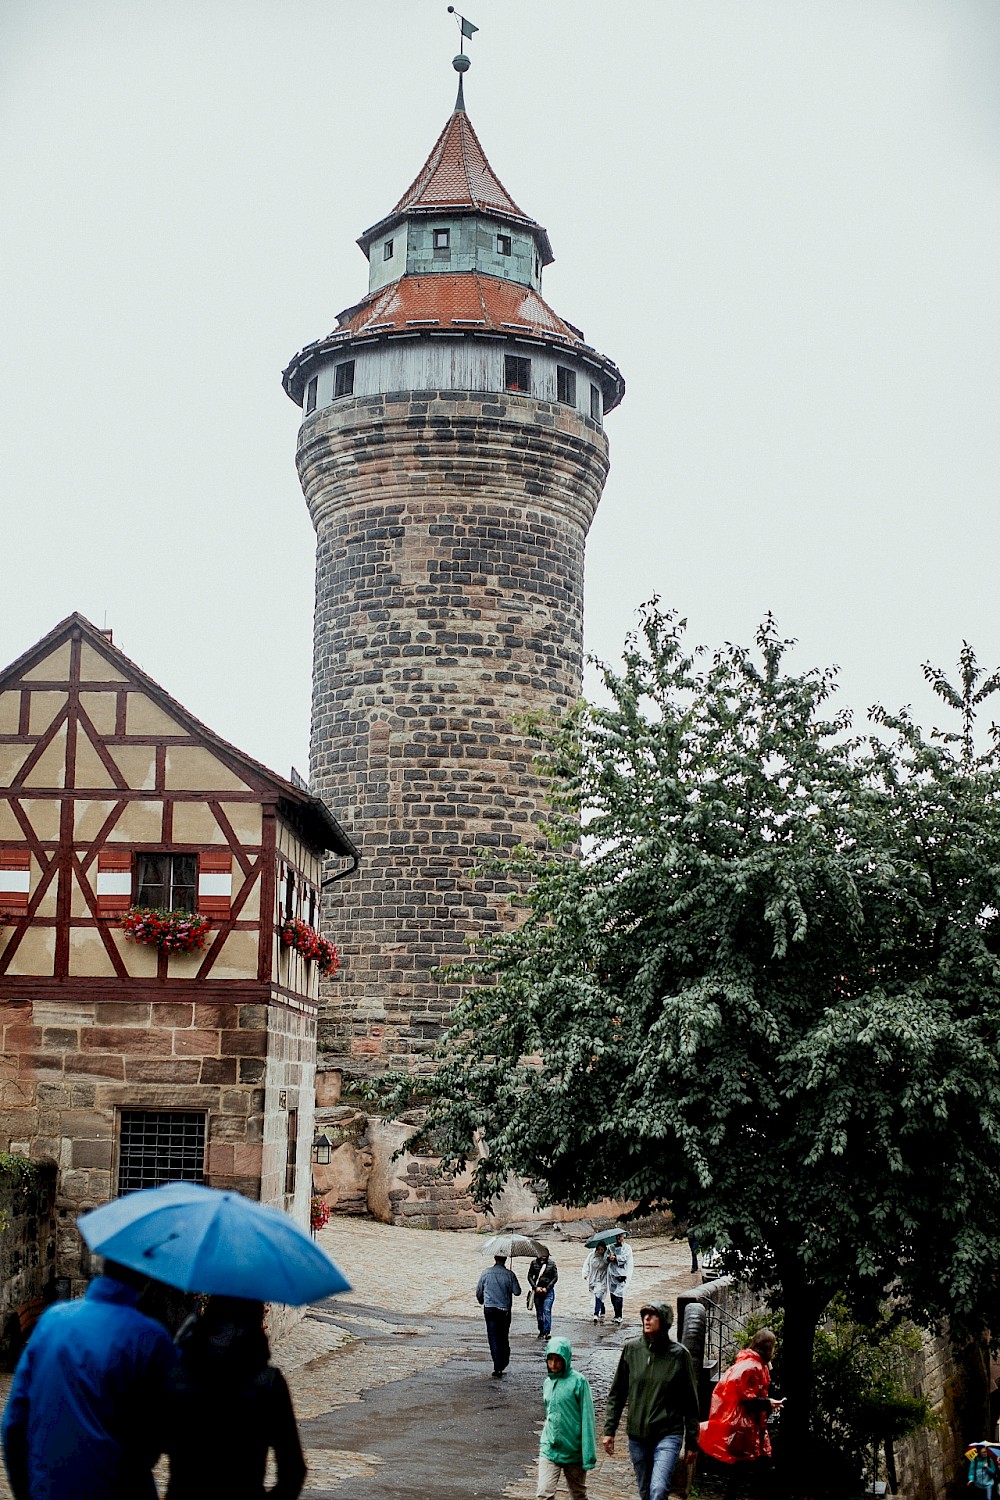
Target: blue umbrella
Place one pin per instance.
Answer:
(203, 1240)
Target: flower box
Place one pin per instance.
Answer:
(171, 931)
(319, 1213)
(307, 941)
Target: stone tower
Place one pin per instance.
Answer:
(452, 455)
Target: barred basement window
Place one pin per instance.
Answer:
(596, 404)
(387, 250)
(311, 396)
(442, 239)
(566, 385)
(516, 373)
(169, 881)
(160, 1145)
(503, 244)
(344, 379)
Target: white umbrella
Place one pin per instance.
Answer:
(510, 1244)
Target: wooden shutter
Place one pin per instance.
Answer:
(15, 880)
(114, 882)
(215, 882)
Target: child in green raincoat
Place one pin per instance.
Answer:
(569, 1437)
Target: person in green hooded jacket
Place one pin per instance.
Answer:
(569, 1437)
(656, 1379)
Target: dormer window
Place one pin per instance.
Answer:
(517, 373)
(387, 250)
(503, 244)
(343, 384)
(442, 240)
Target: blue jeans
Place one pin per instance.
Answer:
(654, 1465)
(543, 1310)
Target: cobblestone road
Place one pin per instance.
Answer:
(392, 1383)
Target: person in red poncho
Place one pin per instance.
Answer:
(736, 1430)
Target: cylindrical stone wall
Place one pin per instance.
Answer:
(449, 600)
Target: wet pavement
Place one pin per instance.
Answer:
(412, 1400)
(392, 1384)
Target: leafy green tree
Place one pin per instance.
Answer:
(763, 991)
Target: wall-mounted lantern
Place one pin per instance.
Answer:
(322, 1150)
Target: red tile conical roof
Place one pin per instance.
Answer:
(458, 175)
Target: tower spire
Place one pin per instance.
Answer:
(461, 63)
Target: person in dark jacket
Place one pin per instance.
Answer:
(228, 1408)
(495, 1292)
(83, 1418)
(542, 1277)
(656, 1378)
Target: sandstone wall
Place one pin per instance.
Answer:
(69, 1066)
(449, 600)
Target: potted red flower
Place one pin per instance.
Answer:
(306, 940)
(171, 931)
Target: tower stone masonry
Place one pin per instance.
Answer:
(452, 456)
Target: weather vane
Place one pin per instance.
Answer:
(461, 63)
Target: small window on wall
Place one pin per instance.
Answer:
(442, 239)
(169, 881)
(344, 379)
(517, 373)
(566, 385)
(289, 906)
(160, 1145)
(596, 404)
(291, 1157)
(503, 244)
(387, 250)
(311, 396)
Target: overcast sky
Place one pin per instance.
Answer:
(779, 217)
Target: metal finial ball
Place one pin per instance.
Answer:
(461, 63)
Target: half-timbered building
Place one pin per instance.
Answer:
(140, 1048)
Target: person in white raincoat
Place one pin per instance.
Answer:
(595, 1274)
(620, 1264)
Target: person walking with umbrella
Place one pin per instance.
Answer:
(110, 1416)
(495, 1292)
(228, 1408)
(85, 1416)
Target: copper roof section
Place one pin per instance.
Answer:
(457, 178)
